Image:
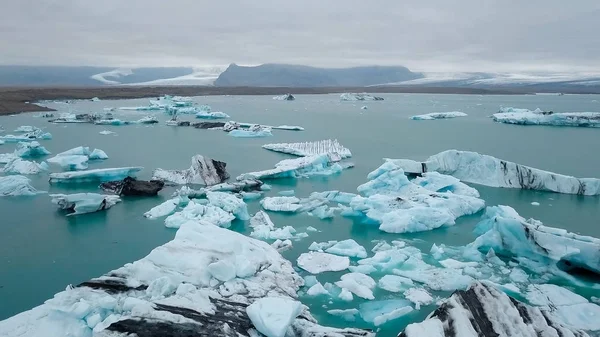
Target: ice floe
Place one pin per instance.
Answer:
(286, 97)
(539, 117)
(317, 262)
(359, 284)
(310, 148)
(380, 312)
(96, 175)
(30, 150)
(439, 115)
(166, 208)
(70, 162)
(81, 203)
(323, 164)
(359, 97)
(204, 171)
(16, 185)
(20, 166)
(255, 131)
(490, 171)
(272, 316)
(199, 212)
(98, 154)
(263, 228)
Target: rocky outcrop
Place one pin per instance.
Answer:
(133, 187)
(483, 311)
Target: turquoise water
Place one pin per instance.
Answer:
(42, 251)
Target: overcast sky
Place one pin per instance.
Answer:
(425, 35)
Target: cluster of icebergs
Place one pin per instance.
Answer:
(539, 117)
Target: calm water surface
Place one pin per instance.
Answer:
(42, 251)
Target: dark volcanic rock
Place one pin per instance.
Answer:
(132, 187)
(484, 311)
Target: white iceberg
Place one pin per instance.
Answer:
(196, 211)
(166, 208)
(439, 115)
(539, 117)
(359, 97)
(507, 233)
(490, 171)
(16, 185)
(20, 166)
(394, 283)
(30, 149)
(359, 284)
(323, 164)
(282, 245)
(263, 228)
(291, 204)
(98, 154)
(106, 132)
(96, 175)
(305, 149)
(316, 262)
(81, 203)
(418, 296)
(348, 248)
(286, 97)
(211, 115)
(70, 162)
(272, 316)
(26, 128)
(76, 151)
(255, 131)
(381, 312)
(204, 171)
(229, 203)
(288, 127)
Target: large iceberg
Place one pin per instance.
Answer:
(70, 162)
(507, 233)
(439, 115)
(323, 164)
(305, 149)
(204, 171)
(97, 175)
(81, 203)
(16, 185)
(399, 205)
(484, 311)
(359, 97)
(196, 211)
(202, 283)
(539, 117)
(254, 131)
(490, 171)
(30, 149)
(20, 166)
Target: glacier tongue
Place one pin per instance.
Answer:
(204, 171)
(486, 170)
(305, 149)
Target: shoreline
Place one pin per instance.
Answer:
(16, 100)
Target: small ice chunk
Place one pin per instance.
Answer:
(203, 171)
(348, 248)
(317, 290)
(282, 245)
(281, 204)
(256, 131)
(310, 148)
(345, 295)
(98, 154)
(323, 212)
(380, 312)
(317, 262)
(418, 296)
(321, 246)
(263, 228)
(20, 166)
(394, 283)
(452, 263)
(287, 193)
(106, 132)
(535, 203)
(229, 203)
(30, 149)
(359, 284)
(251, 195)
(345, 314)
(363, 269)
(272, 316)
(70, 162)
(439, 115)
(311, 229)
(310, 280)
(166, 208)
(16, 185)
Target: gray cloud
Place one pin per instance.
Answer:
(437, 35)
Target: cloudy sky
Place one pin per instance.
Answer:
(425, 35)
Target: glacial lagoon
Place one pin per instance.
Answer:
(42, 251)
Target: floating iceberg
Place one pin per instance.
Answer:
(288, 127)
(211, 115)
(305, 149)
(263, 228)
(486, 170)
(171, 101)
(106, 132)
(272, 316)
(70, 162)
(439, 115)
(291, 204)
(484, 311)
(81, 203)
(359, 284)
(317, 262)
(255, 131)
(418, 296)
(398, 205)
(395, 283)
(20, 166)
(381, 312)
(538, 117)
(324, 164)
(204, 171)
(286, 97)
(98, 154)
(141, 108)
(229, 203)
(359, 97)
(26, 128)
(507, 233)
(30, 149)
(6, 157)
(26, 137)
(198, 212)
(348, 248)
(147, 120)
(16, 185)
(97, 175)
(77, 151)
(166, 208)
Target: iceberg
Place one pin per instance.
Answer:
(70, 162)
(30, 150)
(81, 203)
(346, 314)
(286, 97)
(173, 289)
(381, 312)
(348, 248)
(481, 310)
(418, 297)
(263, 228)
(132, 187)
(229, 203)
(16, 185)
(291, 204)
(98, 154)
(6, 157)
(306, 149)
(198, 212)
(77, 151)
(503, 230)
(323, 164)
(255, 131)
(316, 262)
(398, 205)
(288, 127)
(166, 208)
(438, 115)
(26, 137)
(359, 284)
(394, 283)
(538, 117)
(107, 132)
(96, 175)
(486, 170)
(20, 166)
(211, 115)
(26, 128)
(359, 97)
(272, 316)
(204, 171)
